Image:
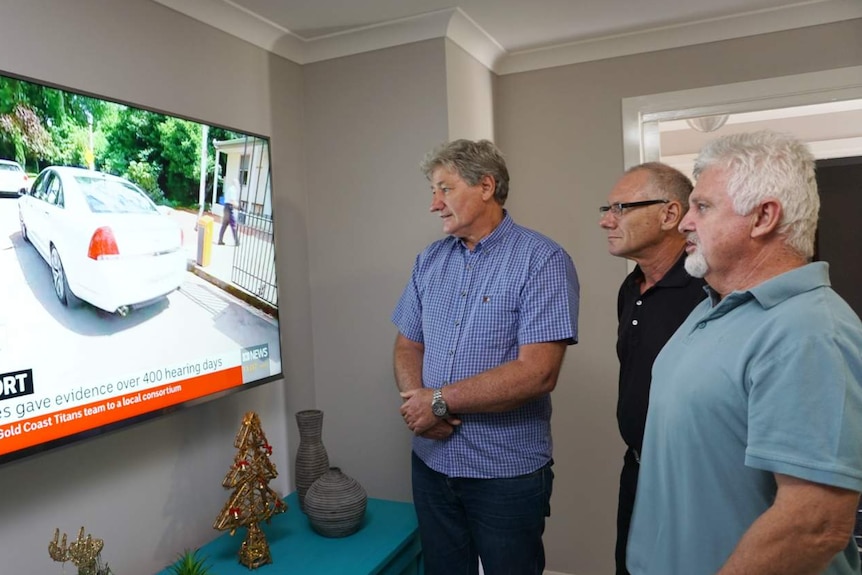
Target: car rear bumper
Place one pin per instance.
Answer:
(112, 284)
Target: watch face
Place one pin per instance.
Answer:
(439, 408)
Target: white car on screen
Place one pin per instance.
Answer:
(13, 178)
(106, 242)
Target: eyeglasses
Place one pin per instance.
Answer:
(617, 209)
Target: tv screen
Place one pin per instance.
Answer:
(138, 265)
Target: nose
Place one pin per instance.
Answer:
(607, 220)
(436, 202)
(686, 225)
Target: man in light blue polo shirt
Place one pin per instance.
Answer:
(483, 327)
(752, 457)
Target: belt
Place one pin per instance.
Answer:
(636, 455)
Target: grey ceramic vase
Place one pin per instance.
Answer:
(335, 504)
(312, 460)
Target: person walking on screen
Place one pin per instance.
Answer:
(231, 203)
(641, 219)
(484, 323)
(752, 454)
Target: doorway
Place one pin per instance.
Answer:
(839, 236)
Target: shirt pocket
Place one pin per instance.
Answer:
(496, 320)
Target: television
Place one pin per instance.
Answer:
(137, 251)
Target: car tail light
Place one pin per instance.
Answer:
(103, 244)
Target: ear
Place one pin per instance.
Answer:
(671, 215)
(767, 217)
(488, 186)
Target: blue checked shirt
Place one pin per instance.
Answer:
(472, 311)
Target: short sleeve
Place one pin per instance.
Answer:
(407, 315)
(803, 413)
(549, 302)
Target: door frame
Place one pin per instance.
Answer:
(641, 114)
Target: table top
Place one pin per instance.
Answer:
(388, 526)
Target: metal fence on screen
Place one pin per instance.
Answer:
(253, 266)
(254, 259)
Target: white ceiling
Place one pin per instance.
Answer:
(506, 35)
(515, 24)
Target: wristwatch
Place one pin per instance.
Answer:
(438, 404)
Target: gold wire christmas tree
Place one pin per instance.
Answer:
(252, 500)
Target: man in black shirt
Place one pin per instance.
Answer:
(641, 219)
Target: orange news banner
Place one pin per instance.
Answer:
(54, 425)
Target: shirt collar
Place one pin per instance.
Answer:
(786, 285)
(676, 276)
(496, 235)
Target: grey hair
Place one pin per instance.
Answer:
(667, 182)
(471, 160)
(768, 164)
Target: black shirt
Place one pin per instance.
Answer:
(646, 322)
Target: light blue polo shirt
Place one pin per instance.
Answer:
(765, 381)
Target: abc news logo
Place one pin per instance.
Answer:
(16, 384)
(253, 355)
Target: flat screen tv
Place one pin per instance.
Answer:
(137, 258)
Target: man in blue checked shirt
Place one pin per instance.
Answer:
(483, 323)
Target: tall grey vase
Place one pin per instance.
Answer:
(312, 460)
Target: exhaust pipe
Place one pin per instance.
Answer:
(123, 310)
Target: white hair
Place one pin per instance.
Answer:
(767, 164)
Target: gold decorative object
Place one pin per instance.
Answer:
(252, 500)
(84, 553)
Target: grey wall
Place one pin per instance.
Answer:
(351, 211)
(561, 129)
(369, 119)
(152, 490)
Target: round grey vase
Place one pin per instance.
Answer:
(312, 460)
(335, 504)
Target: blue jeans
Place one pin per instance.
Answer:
(499, 520)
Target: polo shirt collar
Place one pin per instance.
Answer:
(783, 286)
(799, 280)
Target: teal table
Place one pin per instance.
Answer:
(386, 544)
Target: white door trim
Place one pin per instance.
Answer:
(641, 113)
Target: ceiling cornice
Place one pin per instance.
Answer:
(230, 18)
(712, 30)
(456, 25)
(471, 37)
(451, 23)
